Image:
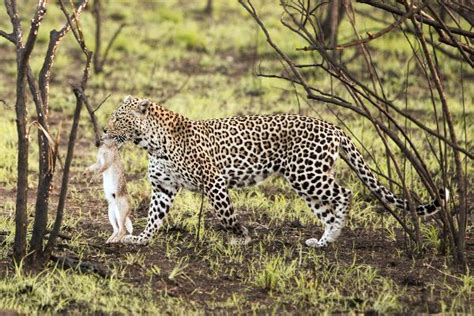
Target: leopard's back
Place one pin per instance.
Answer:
(247, 149)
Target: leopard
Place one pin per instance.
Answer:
(213, 156)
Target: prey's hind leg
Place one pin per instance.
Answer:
(113, 221)
(121, 214)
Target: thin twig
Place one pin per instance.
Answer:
(111, 42)
(198, 234)
(101, 103)
(419, 18)
(380, 33)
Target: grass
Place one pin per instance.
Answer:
(369, 269)
(56, 291)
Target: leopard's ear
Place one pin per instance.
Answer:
(127, 99)
(143, 106)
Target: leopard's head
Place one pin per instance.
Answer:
(129, 122)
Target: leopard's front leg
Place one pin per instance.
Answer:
(219, 198)
(160, 203)
(163, 193)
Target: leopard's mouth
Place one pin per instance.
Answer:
(119, 140)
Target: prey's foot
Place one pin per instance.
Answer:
(111, 239)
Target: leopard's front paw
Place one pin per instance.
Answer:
(239, 231)
(240, 241)
(315, 243)
(136, 240)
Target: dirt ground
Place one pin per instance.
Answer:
(418, 274)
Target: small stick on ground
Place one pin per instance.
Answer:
(198, 234)
(66, 262)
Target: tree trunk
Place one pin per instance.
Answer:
(208, 9)
(23, 53)
(330, 26)
(21, 221)
(98, 65)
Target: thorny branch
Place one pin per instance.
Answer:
(47, 150)
(384, 114)
(379, 34)
(445, 32)
(75, 27)
(418, 17)
(23, 52)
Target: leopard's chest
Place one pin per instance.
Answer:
(168, 170)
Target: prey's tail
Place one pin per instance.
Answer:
(354, 158)
(128, 225)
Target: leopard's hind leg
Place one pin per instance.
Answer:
(330, 204)
(311, 177)
(332, 211)
(322, 211)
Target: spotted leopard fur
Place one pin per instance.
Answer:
(215, 155)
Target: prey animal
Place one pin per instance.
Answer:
(110, 166)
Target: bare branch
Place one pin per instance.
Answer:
(8, 36)
(251, 10)
(73, 133)
(111, 42)
(55, 39)
(23, 52)
(101, 102)
(99, 59)
(451, 40)
(80, 93)
(379, 34)
(47, 150)
(460, 241)
(419, 18)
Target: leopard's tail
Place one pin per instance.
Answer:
(355, 160)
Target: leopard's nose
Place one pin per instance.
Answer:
(105, 130)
